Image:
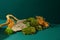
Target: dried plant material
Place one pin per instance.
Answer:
(42, 21)
(19, 26)
(10, 23)
(27, 26)
(29, 30)
(46, 24)
(8, 31)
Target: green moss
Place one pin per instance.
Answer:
(32, 21)
(39, 28)
(28, 24)
(29, 30)
(8, 31)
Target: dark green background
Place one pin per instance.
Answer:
(50, 9)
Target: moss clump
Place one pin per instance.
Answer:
(39, 28)
(29, 30)
(33, 22)
(9, 31)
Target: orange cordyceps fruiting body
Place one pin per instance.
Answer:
(41, 21)
(46, 24)
(10, 23)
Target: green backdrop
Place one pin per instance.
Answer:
(50, 9)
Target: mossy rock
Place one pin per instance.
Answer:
(29, 30)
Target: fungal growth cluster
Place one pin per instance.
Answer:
(26, 26)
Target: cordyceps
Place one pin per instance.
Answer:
(42, 21)
(10, 23)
